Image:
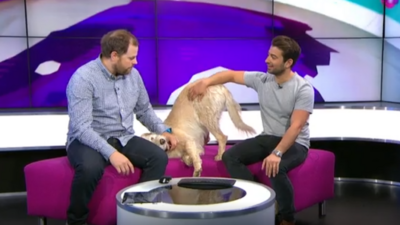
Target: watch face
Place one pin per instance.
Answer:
(277, 153)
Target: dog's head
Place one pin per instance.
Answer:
(157, 139)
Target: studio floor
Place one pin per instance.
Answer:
(355, 203)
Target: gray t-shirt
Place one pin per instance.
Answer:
(277, 102)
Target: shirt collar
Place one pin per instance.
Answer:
(105, 71)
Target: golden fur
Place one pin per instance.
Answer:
(192, 121)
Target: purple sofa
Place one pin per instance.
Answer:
(48, 184)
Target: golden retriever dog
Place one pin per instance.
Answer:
(192, 121)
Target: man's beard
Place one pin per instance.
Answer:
(277, 72)
(119, 71)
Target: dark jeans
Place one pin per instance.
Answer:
(255, 150)
(89, 167)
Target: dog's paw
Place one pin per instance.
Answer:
(218, 157)
(197, 173)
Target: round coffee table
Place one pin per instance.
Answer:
(169, 204)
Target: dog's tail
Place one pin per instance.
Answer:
(234, 113)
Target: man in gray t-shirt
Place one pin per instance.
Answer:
(286, 101)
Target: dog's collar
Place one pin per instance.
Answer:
(169, 130)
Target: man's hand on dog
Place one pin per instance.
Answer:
(121, 163)
(197, 89)
(172, 140)
(271, 165)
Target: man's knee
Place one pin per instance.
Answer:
(281, 175)
(90, 169)
(229, 155)
(160, 157)
(283, 169)
(226, 156)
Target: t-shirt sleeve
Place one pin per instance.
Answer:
(305, 98)
(254, 79)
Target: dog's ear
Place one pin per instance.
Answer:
(145, 134)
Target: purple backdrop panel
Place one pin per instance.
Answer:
(179, 60)
(14, 79)
(53, 61)
(203, 20)
(137, 16)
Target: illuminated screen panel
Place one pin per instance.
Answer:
(90, 18)
(200, 37)
(214, 19)
(12, 18)
(340, 69)
(53, 61)
(14, 77)
(329, 18)
(351, 72)
(392, 20)
(391, 70)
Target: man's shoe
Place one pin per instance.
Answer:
(277, 220)
(284, 222)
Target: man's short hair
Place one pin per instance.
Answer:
(289, 47)
(118, 41)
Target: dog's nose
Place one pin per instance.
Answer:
(162, 141)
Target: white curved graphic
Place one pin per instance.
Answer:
(48, 67)
(240, 93)
(344, 11)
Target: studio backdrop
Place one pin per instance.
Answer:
(350, 48)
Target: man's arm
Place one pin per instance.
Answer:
(226, 77)
(250, 79)
(304, 105)
(145, 112)
(80, 97)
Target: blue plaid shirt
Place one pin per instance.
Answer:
(101, 106)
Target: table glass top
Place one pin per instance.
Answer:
(173, 194)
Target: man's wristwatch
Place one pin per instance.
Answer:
(277, 153)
